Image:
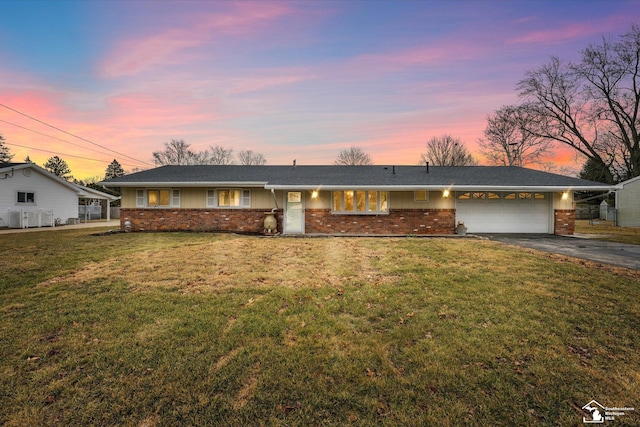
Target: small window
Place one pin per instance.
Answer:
(493, 196)
(361, 200)
(383, 201)
(232, 198)
(140, 198)
(337, 201)
(159, 198)
(539, 196)
(26, 197)
(479, 196)
(524, 196)
(510, 196)
(464, 196)
(373, 201)
(421, 196)
(348, 201)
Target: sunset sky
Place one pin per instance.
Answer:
(288, 79)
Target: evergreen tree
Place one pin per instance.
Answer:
(58, 167)
(114, 170)
(5, 156)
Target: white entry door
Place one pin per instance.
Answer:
(294, 213)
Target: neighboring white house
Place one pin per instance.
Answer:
(31, 196)
(628, 203)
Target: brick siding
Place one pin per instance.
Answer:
(398, 221)
(233, 220)
(317, 221)
(564, 222)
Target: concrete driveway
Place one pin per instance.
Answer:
(618, 254)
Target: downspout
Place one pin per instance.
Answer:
(275, 200)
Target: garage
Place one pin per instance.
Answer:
(504, 212)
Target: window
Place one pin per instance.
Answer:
(360, 202)
(464, 196)
(161, 198)
(479, 196)
(524, 196)
(26, 197)
(229, 198)
(157, 198)
(421, 196)
(493, 196)
(539, 196)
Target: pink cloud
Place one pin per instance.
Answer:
(133, 56)
(570, 32)
(268, 79)
(443, 53)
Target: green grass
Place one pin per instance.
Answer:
(165, 329)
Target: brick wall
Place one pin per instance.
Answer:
(234, 220)
(564, 222)
(317, 221)
(398, 221)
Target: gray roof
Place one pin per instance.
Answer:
(335, 177)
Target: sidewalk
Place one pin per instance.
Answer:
(114, 223)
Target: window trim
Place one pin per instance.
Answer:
(366, 209)
(26, 198)
(426, 196)
(244, 198)
(142, 198)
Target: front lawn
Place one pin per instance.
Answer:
(607, 230)
(167, 329)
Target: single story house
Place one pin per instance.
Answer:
(377, 200)
(628, 203)
(31, 196)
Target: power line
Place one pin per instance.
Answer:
(62, 154)
(73, 135)
(54, 137)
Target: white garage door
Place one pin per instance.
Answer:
(503, 212)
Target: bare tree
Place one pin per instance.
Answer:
(219, 155)
(592, 105)
(509, 143)
(353, 156)
(177, 152)
(249, 158)
(447, 151)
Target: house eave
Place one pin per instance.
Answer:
(450, 187)
(174, 184)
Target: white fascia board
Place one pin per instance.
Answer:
(355, 187)
(451, 187)
(528, 188)
(155, 184)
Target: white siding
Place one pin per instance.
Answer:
(49, 195)
(628, 204)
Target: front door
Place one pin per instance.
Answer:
(294, 213)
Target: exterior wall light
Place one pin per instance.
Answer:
(445, 193)
(565, 195)
(314, 194)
